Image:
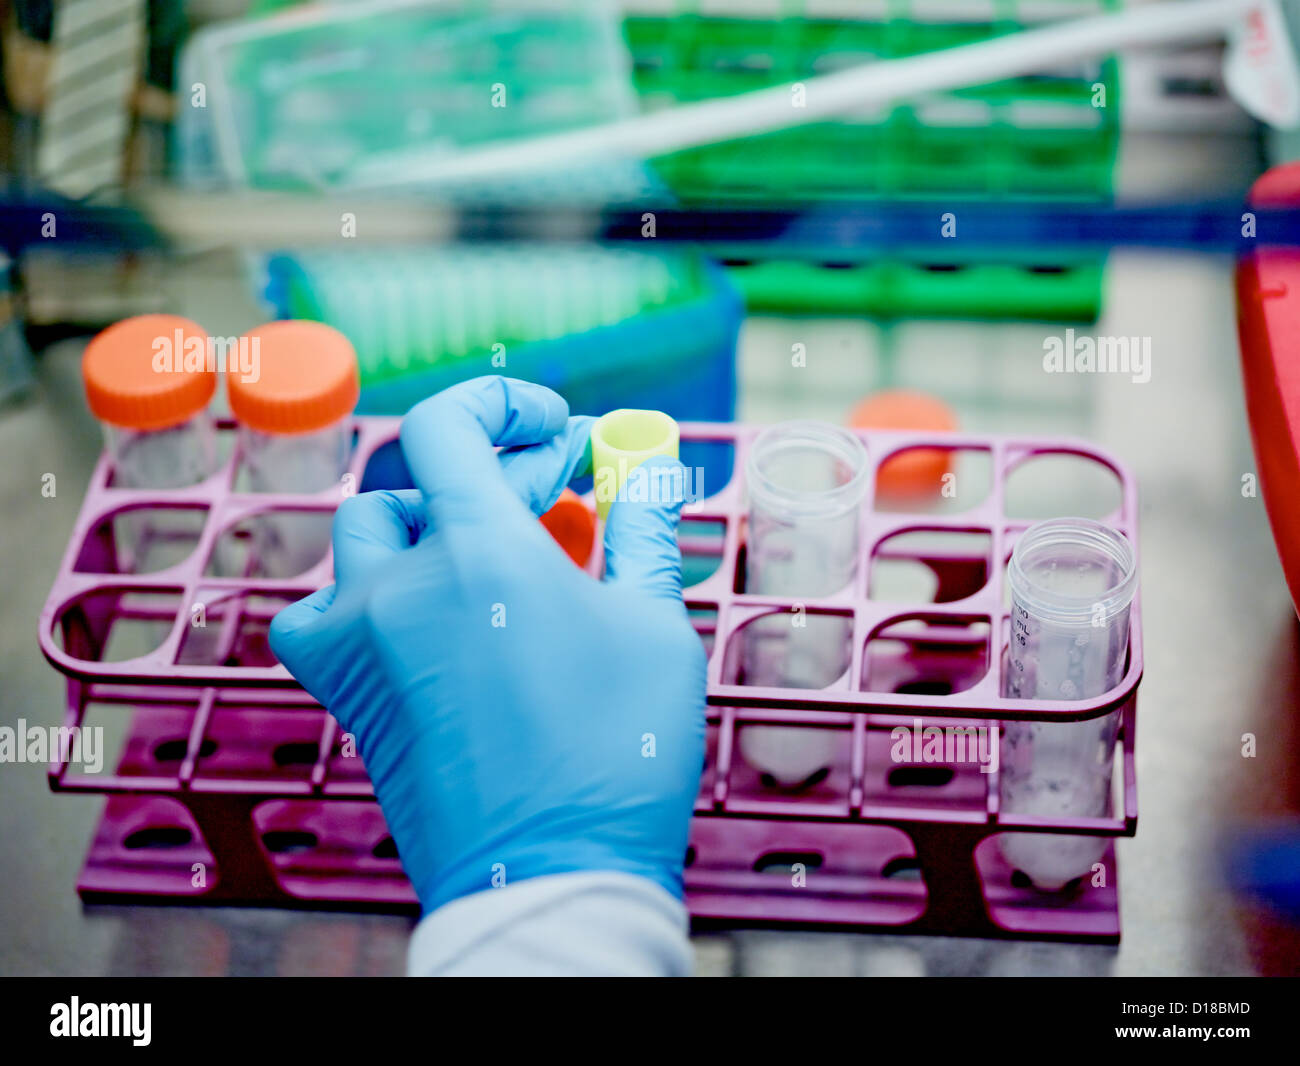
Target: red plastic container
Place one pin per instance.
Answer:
(1268, 324)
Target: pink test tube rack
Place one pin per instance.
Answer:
(233, 786)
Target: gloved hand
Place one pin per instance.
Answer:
(517, 717)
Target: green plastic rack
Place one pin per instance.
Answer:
(1057, 290)
(1037, 137)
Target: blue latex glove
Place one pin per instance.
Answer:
(503, 701)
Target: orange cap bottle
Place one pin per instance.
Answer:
(305, 378)
(294, 406)
(148, 373)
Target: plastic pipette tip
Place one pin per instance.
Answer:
(620, 442)
(918, 472)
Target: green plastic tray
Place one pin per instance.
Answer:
(1035, 137)
(1057, 291)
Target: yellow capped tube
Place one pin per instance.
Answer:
(621, 441)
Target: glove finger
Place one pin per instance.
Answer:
(641, 549)
(373, 527)
(292, 627)
(448, 441)
(539, 473)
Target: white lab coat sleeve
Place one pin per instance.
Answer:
(576, 925)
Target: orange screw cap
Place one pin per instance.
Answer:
(136, 377)
(572, 525)
(916, 472)
(306, 378)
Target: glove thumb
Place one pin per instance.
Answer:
(641, 549)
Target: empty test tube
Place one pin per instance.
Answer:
(1072, 585)
(148, 380)
(295, 415)
(806, 483)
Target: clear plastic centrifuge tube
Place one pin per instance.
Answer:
(295, 432)
(620, 442)
(806, 483)
(1072, 584)
(149, 382)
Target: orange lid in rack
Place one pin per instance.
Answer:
(135, 372)
(572, 525)
(915, 471)
(305, 379)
